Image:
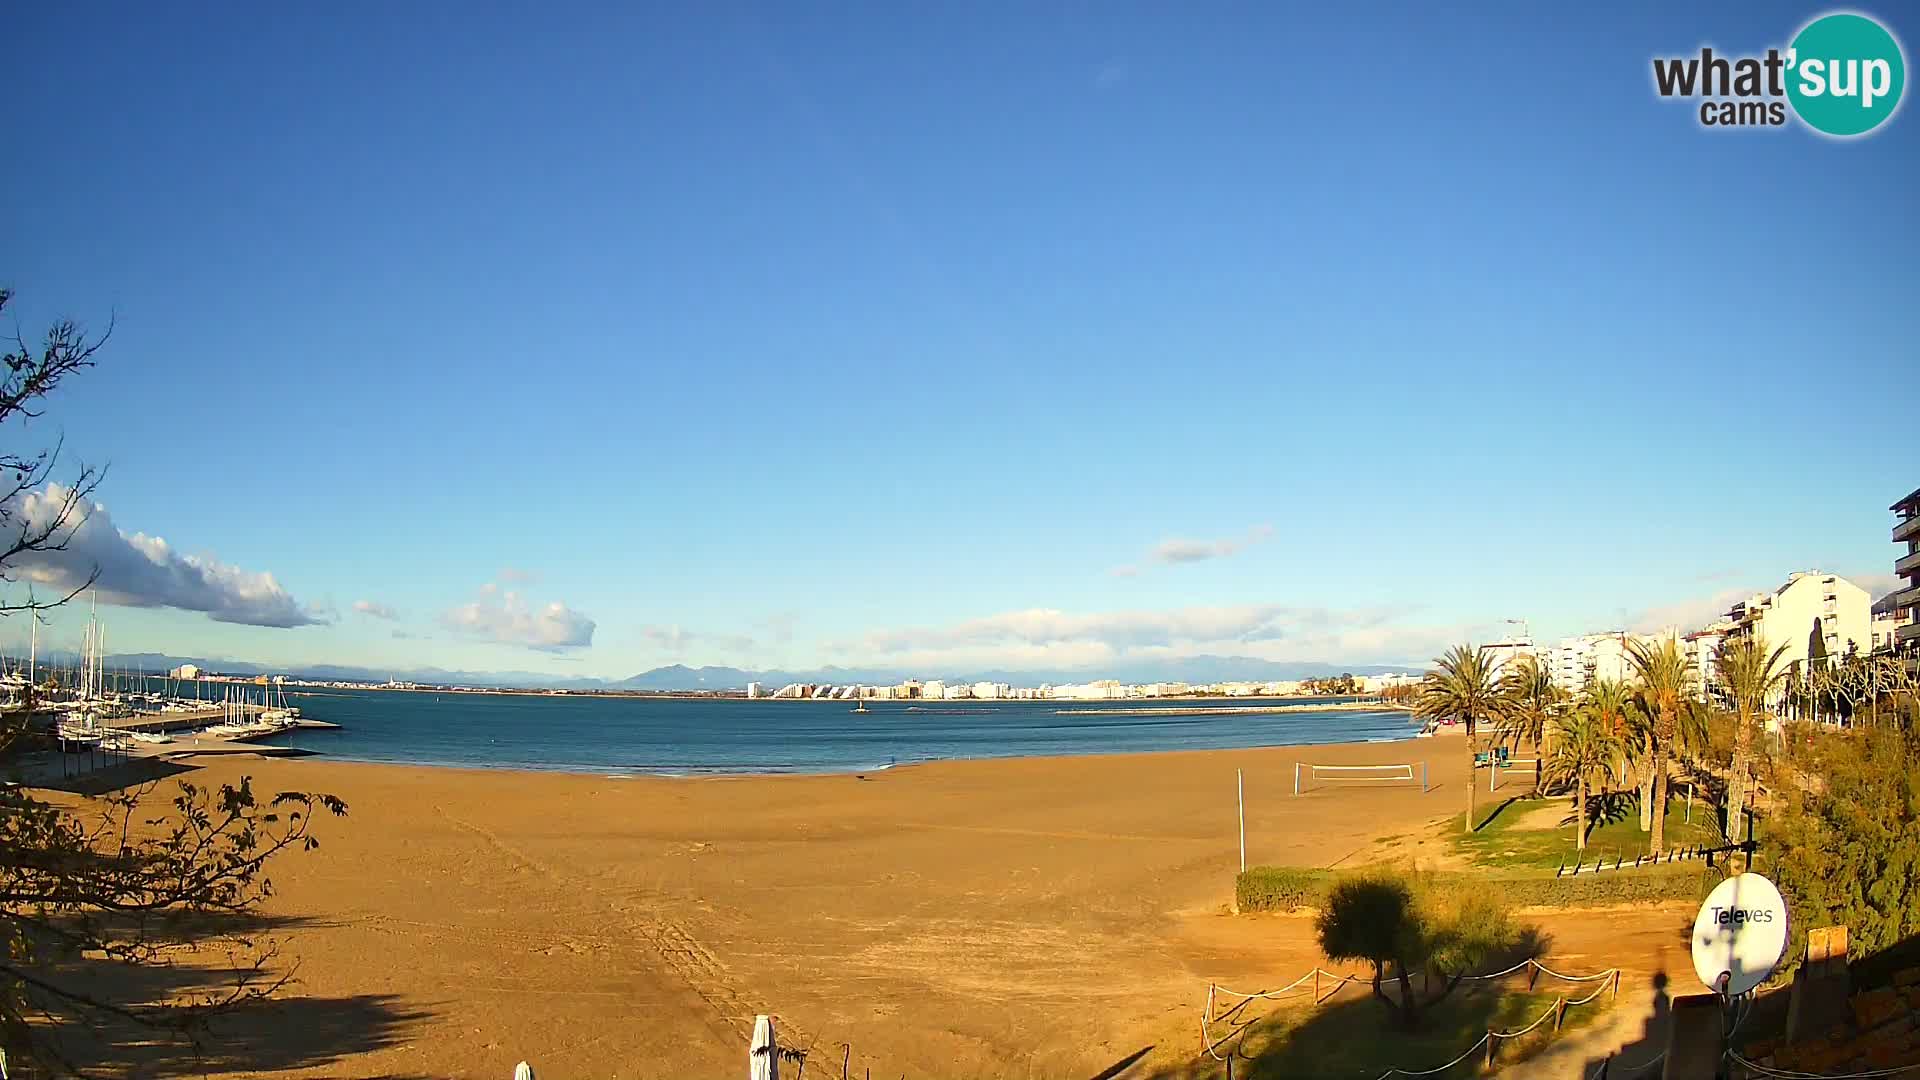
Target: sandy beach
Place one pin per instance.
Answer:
(1023, 917)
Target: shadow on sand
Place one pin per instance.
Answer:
(288, 1030)
(110, 778)
(1637, 1056)
(1355, 1036)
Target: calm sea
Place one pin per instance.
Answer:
(689, 737)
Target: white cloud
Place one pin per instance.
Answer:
(137, 570)
(669, 638)
(1187, 551)
(1697, 611)
(1877, 584)
(1043, 637)
(1689, 614)
(509, 621)
(375, 609)
(676, 640)
(514, 575)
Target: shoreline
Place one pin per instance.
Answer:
(730, 772)
(321, 757)
(740, 694)
(1232, 710)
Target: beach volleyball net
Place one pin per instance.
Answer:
(1310, 777)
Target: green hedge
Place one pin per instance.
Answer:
(1289, 888)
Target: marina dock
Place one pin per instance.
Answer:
(163, 722)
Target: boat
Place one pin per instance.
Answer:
(861, 707)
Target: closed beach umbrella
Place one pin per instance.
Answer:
(523, 1071)
(763, 1060)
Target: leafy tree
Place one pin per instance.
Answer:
(1846, 845)
(115, 886)
(1460, 687)
(1666, 688)
(1528, 703)
(1586, 753)
(1750, 675)
(1816, 647)
(1403, 925)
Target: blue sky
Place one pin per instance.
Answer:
(769, 336)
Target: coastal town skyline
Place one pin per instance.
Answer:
(786, 373)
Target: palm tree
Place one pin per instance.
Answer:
(1586, 751)
(1460, 687)
(1666, 687)
(1528, 701)
(1751, 675)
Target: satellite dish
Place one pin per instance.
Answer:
(1739, 935)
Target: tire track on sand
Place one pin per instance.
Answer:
(682, 953)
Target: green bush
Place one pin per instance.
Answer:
(1290, 888)
(1281, 888)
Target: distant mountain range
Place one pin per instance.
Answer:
(1198, 669)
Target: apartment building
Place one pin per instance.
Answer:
(1906, 601)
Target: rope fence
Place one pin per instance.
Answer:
(1790, 1074)
(1609, 981)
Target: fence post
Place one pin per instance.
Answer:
(1316, 986)
(1491, 1043)
(1615, 991)
(1559, 1012)
(1533, 972)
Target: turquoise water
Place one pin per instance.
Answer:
(693, 737)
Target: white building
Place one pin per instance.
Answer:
(1501, 653)
(184, 671)
(1374, 684)
(934, 689)
(990, 691)
(1810, 604)
(1885, 629)
(1576, 662)
(753, 690)
(1702, 647)
(1102, 690)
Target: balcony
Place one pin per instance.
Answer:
(1908, 566)
(1907, 530)
(1904, 635)
(1905, 598)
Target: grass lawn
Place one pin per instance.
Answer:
(1505, 838)
(1352, 1036)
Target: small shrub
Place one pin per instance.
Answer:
(1281, 888)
